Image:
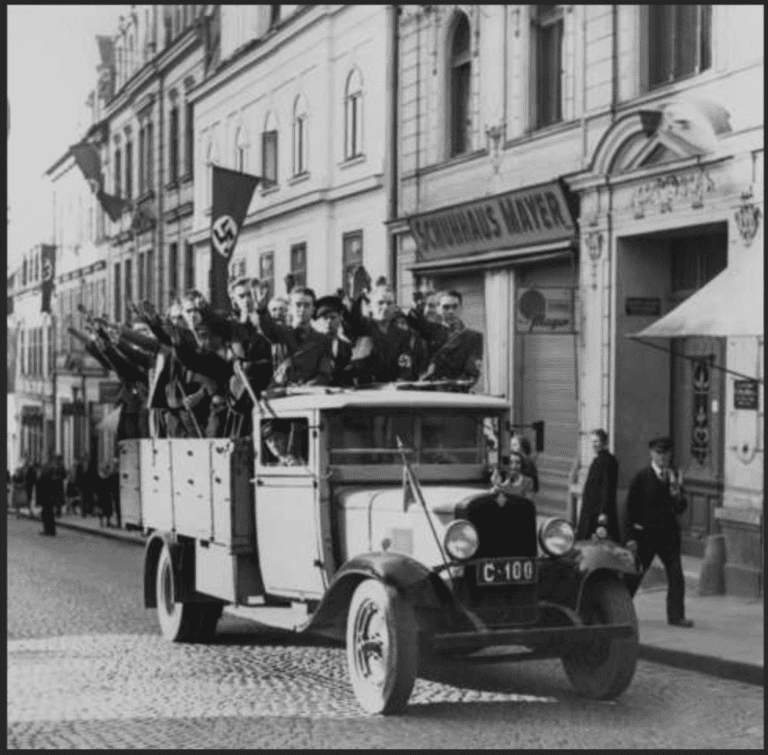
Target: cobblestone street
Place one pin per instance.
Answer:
(87, 668)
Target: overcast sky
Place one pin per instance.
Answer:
(52, 57)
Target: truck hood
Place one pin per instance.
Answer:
(441, 499)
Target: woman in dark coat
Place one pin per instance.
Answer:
(599, 496)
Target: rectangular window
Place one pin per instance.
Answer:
(461, 87)
(189, 141)
(117, 301)
(352, 257)
(173, 270)
(269, 158)
(22, 354)
(128, 286)
(299, 264)
(51, 350)
(352, 140)
(173, 139)
(299, 145)
(548, 42)
(150, 265)
(267, 271)
(149, 169)
(142, 158)
(274, 15)
(118, 173)
(189, 266)
(128, 169)
(679, 42)
(140, 273)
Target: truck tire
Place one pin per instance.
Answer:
(603, 669)
(210, 613)
(382, 647)
(179, 622)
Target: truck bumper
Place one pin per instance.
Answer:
(532, 637)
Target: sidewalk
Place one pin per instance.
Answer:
(726, 640)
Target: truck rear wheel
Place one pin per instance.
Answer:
(382, 647)
(179, 622)
(603, 669)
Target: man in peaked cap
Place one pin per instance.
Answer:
(327, 320)
(654, 502)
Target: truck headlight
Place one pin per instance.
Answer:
(461, 540)
(556, 537)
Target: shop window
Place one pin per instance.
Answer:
(299, 264)
(460, 86)
(353, 115)
(547, 44)
(678, 43)
(352, 258)
(267, 271)
(269, 158)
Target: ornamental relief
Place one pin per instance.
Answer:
(664, 193)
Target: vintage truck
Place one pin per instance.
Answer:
(368, 516)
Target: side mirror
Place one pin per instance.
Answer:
(538, 428)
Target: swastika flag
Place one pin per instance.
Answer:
(232, 193)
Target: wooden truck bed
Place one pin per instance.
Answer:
(200, 488)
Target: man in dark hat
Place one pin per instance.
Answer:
(599, 496)
(654, 502)
(327, 320)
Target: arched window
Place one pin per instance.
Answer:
(241, 150)
(353, 115)
(269, 151)
(300, 136)
(460, 85)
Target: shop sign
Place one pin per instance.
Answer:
(640, 306)
(545, 310)
(515, 219)
(109, 392)
(746, 395)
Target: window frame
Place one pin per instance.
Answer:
(189, 134)
(118, 172)
(353, 115)
(173, 145)
(268, 181)
(128, 287)
(459, 63)
(189, 266)
(300, 151)
(541, 23)
(299, 273)
(117, 292)
(128, 168)
(173, 270)
(348, 266)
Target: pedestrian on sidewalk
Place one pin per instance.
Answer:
(84, 472)
(114, 486)
(49, 492)
(654, 502)
(30, 478)
(599, 495)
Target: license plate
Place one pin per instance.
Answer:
(506, 571)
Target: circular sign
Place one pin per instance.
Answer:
(224, 235)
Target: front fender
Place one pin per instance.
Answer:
(402, 572)
(603, 559)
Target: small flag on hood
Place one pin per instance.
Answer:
(232, 193)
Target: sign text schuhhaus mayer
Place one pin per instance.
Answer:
(525, 217)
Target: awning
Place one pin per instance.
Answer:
(111, 421)
(731, 304)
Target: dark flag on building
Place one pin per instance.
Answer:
(87, 158)
(232, 193)
(48, 266)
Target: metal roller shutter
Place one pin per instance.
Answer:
(546, 390)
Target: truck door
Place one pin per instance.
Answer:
(287, 523)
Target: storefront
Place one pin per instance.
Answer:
(513, 257)
(665, 221)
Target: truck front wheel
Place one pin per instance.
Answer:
(382, 647)
(603, 669)
(179, 622)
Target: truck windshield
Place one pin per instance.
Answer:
(431, 437)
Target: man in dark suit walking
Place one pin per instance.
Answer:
(654, 502)
(599, 496)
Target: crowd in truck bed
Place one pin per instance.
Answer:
(196, 372)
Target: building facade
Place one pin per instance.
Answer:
(297, 99)
(576, 172)
(13, 453)
(145, 136)
(32, 414)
